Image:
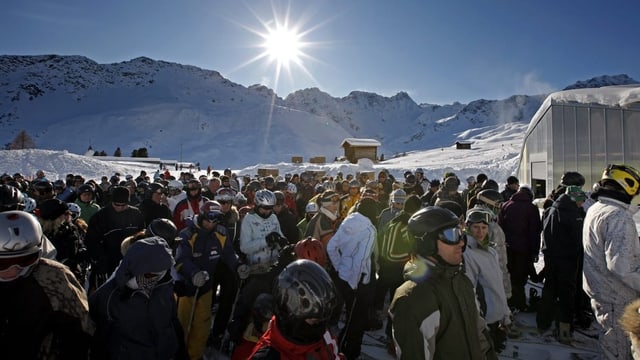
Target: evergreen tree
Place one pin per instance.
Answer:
(143, 152)
(134, 153)
(118, 152)
(22, 141)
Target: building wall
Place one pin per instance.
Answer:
(579, 137)
(354, 153)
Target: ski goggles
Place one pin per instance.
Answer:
(21, 261)
(451, 236)
(479, 216)
(214, 216)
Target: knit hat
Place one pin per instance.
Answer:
(51, 209)
(412, 204)
(471, 179)
(576, 193)
(369, 208)
(451, 183)
(398, 196)
(120, 195)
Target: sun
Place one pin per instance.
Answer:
(283, 45)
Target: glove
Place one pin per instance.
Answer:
(243, 271)
(200, 278)
(274, 239)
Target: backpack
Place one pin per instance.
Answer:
(396, 242)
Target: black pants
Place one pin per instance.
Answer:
(389, 279)
(519, 266)
(356, 302)
(227, 280)
(558, 294)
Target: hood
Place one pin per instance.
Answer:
(355, 223)
(144, 256)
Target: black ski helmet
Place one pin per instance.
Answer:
(426, 224)
(163, 228)
(572, 178)
(304, 290)
(10, 198)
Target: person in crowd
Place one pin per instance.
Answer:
(175, 194)
(434, 186)
(261, 242)
(562, 228)
(521, 223)
(385, 186)
(394, 248)
(41, 190)
(483, 269)
(86, 201)
(304, 297)
(434, 312)
(286, 218)
(155, 206)
(323, 225)
(492, 200)
(612, 254)
(411, 186)
(106, 231)
(55, 219)
(212, 187)
(348, 201)
(135, 310)
(43, 308)
(261, 314)
(510, 188)
(422, 180)
(189, 206)
(396, 202)
(204, 243)
(449, 192)
(309, 211)
(351, 252)
(470, 196)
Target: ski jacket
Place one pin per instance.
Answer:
(322, 226)
(498, 242)
(386, 215)
(520, 221)
(44, 315)
(435, 315)
(611, 253)
(288, 225)
(482, 268)
(274, 345)
(132, 324)
(186, 208)
(151, 210)
(200, 249)
(562, 228)
(87, 210)
(346, 203)
(107, 229)
(351, 248)
(253, 244)
(394, 242)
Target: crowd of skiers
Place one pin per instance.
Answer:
(301, 266)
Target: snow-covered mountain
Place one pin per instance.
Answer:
(186, 113)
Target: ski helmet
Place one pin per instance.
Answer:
(75, 210)
(30, 204)
(163, 228)
(20, 240)
(311, 249)
(491, 198)
(626, 176)
(10, 198)
(427, 224)
(264, 198)
(572, 178)
(304, 290)
(225, 194)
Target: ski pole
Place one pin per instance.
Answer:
(193, 310)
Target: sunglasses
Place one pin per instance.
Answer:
(452, 236)
(120, 204)
(267, 208)
(21, 261)
(193, 188)
(224, 202)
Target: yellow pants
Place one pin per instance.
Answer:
(196, 329)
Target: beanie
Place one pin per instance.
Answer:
(398, 196)
(51, 209)
(369, 208)
(120, 195)
(412, 204)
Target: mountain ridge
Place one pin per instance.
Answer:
(179, 111)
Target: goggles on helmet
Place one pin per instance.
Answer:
(214, 216)
(451, 236)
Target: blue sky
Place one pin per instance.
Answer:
(437, 51)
